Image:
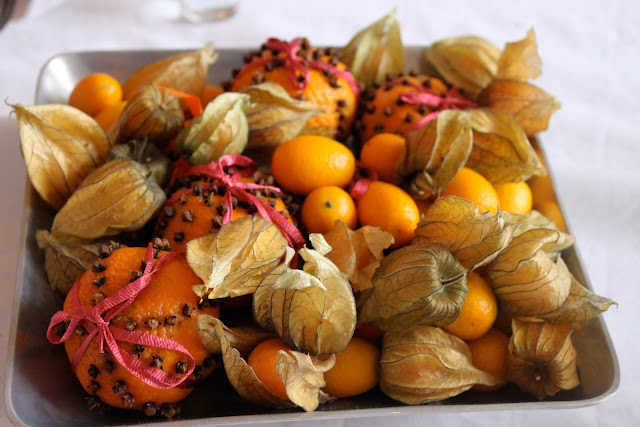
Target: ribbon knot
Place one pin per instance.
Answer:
(96, 321)
(452, 100)
(240, 167)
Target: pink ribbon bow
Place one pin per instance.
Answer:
(294, 64)
(450, 101)
(235, 188)
(96, 320)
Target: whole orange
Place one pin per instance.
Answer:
(324, 206)
(389, 207)
(355, 371)
(478, 312)
(472, 186)
(263, 359)
(380, 154)
(95, 92)
(308, 162)
(489, 354)
(110, 115)
(514, 197)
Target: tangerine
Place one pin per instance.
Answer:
(324, 206)
(380, 154)
(478, 312)
(355, 370)
(95, 92)
(263, 359)
(472, 186)
(389, 207)
(489, 354)
(514, 197)
(308, 162)
(110, 115)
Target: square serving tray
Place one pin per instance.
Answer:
(42, 390)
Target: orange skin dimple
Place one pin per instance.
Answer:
(169, 291)
(318, 91)
(395, 119)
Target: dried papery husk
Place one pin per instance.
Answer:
(426, 364)
(541, 359)
(357, 253)
(473, 238)
(185, 72)
(66, 258)
(119, 196)
(61, 145)
(501, 151)
(221, 129)
(422, 283)
(375, 51)
(313, 310)
(303, 375)
(152, 113)
(434, 154)
(468, 62)
(242, 338)
(146, 154)
(520, 60)
(528, 277)
(530, 105)
(235, 260)
(275, 117)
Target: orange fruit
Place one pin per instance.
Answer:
(380, 154)
(209, 93)
(551, 210)
(308, 162)
(514, 197)
(355, 371)
(110, 115)
(478, 312)
(472, 186)
(263, 359)
(489, 354)
(167, 308)
(330, 91)
(324, 206)
(384, 111)
(95, 93)
(389, 207)
(541, 188)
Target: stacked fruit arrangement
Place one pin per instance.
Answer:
(402, 231)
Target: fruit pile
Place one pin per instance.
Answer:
(391, 223)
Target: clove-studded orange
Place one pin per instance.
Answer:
(329, 87)
(165, 308)
(200, 211)
(389, 108)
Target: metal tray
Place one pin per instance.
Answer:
(42, 390)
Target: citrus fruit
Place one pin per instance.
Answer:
(380, 154)
(478, 312)
(489, 354)
(472, 186)
(324, 206)
(355, 371)
(263, 359)
(209, 93)
(110, 115)
(389, 207)
(308, 162)
(95, 92)
(551, 210)
(514, 197)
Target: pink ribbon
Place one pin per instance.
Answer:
(96, 320)
(235, 188)
(451, 101)
(294, 64)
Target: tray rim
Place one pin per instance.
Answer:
(29, 194)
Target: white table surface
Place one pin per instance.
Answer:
(591, 56)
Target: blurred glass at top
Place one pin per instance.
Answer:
(198, 11)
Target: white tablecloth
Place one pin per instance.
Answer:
(590, 50)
